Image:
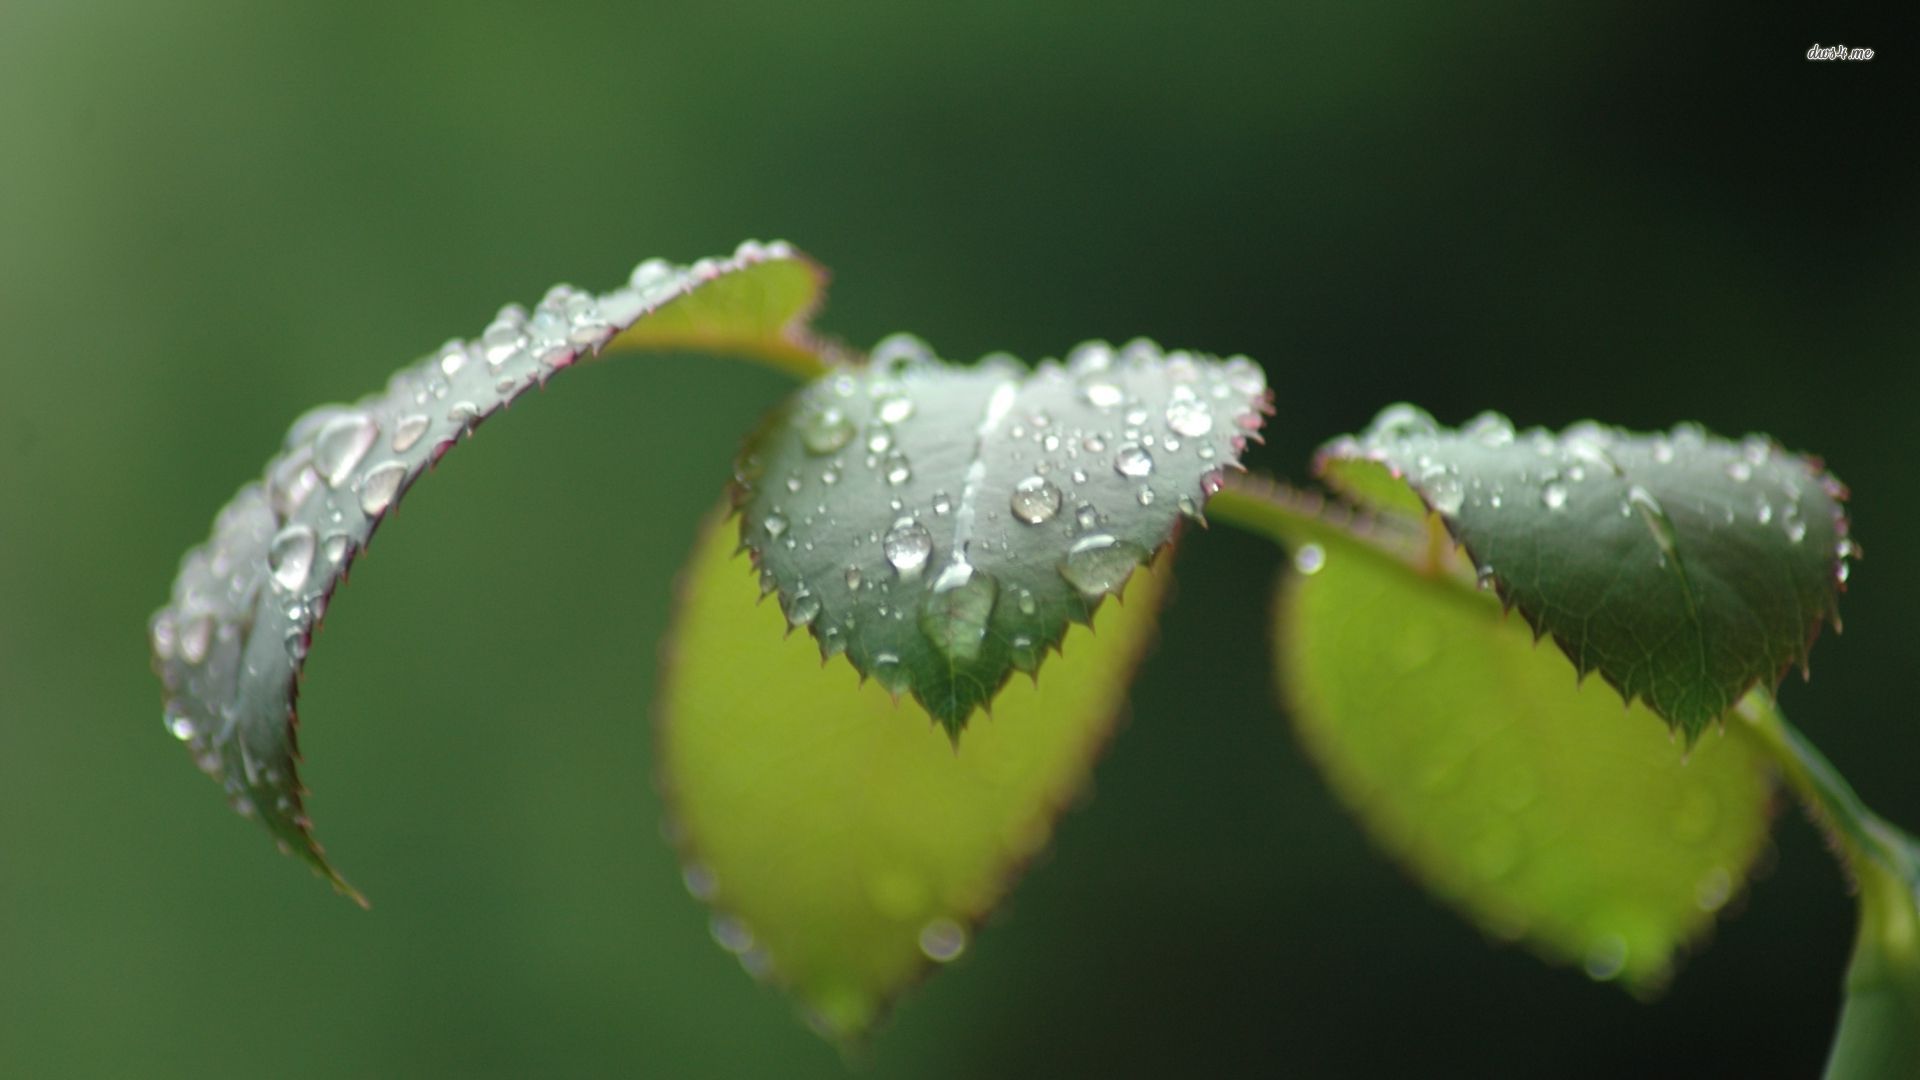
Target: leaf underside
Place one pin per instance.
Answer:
(842, 849)
(230, 644)
(1515, 795)
(943, 526)
(1683, 567)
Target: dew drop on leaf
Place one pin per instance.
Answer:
(1099, 564)
(1035, 500)
(1133, 460)
(907, 546)
(379, 486)
(290, 557)
(408, 432)
(340, 446)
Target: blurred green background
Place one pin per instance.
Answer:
(216, 214)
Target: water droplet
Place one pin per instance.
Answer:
(1188, 415)
(699, 881)
(888, 672)
(955, 614)
(1401, 422)
(1093, 444)
(1101, 394)
(803, 609)
(1796, 530)
(1764, 511)
(1713, 890)
(943, 940)
(1035, 500)
(340, 446)
(335, 547)
(880, 441)
(379, 487)
(1554, 495)
(824, 429)
(501, 340)
(1023, 599)
(853, 577)
(899, 471)
(290, 557)
(464, 413)
(1310, 559)
(1606, 957)
(408, 431)
(180, 726)
(292, 481)
(730, 933)
(942, 502)
(907, 546)
(452, 357)
(196, 637)
(894, 410)
(1740, 471)
(775, 525)
(1133, 461)
(1099, 564)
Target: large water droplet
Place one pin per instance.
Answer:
(1101, 394)
(824, 429)
(408, 431)
(1554, 495)
(341, 445)
(290, 557)
(889, 672)
(1099, 564)
(955, 614)
(803, 609)
(1132, 460)
(180, 726)
(501, 340)
(1035, 500)
(379, 487)
(1188, 414)
(907, 546)
(895, 410)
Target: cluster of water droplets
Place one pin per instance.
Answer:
(246, 603)
(936, 492)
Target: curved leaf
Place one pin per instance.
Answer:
(1512, 793)
(1683, 567)
(942, 526)
(230, 644)
(843, 847)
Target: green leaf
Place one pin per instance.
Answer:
(1684, 568)
(942, 526)
(844, 846)
(230, 644)
(1522, 799)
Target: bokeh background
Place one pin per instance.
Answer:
(216, 214)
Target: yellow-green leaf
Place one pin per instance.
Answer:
(1528, 802)
(843, 841)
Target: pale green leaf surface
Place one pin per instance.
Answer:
(1684, 568)
(943, 526)
(1531, 804)
(843, 841)
(231, 642)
